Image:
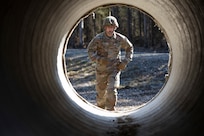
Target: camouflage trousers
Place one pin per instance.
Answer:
(106, 89)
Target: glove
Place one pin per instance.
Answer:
(102, 61)
(122, 65)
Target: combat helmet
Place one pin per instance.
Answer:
(110, 20)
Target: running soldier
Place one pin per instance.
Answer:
(105, 50)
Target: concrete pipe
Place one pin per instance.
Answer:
(37, 100)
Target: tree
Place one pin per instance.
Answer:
(129, 24)
(140, 29)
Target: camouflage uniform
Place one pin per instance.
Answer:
(106, 53)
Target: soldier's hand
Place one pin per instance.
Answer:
(122, 66)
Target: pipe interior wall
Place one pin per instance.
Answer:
(36, 98)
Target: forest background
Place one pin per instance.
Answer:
(139, 27)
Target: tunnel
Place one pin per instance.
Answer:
(37, 99)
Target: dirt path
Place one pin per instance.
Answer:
(140, 81)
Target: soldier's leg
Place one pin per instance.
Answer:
(111, 94)
(101, 85)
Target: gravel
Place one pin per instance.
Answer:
(140, 81)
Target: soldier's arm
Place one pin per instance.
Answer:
(92, 50)
(127, 45)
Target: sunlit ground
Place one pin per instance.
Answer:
(140, 81)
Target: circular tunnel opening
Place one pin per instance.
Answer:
(37, 98)
(143, 78)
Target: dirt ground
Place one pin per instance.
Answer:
(140, 81)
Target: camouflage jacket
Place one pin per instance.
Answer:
(109, 49)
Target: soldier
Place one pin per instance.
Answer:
(105, 50)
